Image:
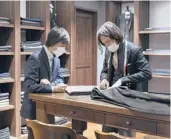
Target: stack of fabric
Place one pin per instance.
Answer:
(64, 72)
(4, 133)
(4, 20)
(4, 99)
(163, 72)
(24, 129)
(22, 96)
(31, 22)
(60, 120)
(31, 46)
(5, 48)
(5, 75)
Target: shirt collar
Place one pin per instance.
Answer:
(49, 54)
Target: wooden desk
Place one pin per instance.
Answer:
(83, 108)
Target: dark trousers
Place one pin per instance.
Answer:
(124, 132)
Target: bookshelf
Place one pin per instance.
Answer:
(12, 60)
(155, 52)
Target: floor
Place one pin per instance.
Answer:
(92, 126)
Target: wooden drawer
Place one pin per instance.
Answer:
(163, 129)
(131, 123)
(81, 114)
(75, 113)
(99, 117)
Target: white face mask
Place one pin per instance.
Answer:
(59, 51)
(113, 47)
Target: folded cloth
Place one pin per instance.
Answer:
(4, 19)
(151, 103)
(79, 90)
(4, 94)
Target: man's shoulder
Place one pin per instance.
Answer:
(35, 56)
(133, 47)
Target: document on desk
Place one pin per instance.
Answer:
(79, 90)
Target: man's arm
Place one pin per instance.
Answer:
(143, 68)
(58, 78)
(32, 79)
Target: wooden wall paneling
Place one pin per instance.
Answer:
(112, 10)
(15, 70)
(94, 49)
(66, 18)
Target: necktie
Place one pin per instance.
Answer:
(53, 63)
(115, 60)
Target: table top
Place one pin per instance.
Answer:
(86, 102)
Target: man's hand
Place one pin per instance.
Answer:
(104, 84)
(44, 81)
(117, 83)
(59, 88)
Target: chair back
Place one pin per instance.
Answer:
(49, 131)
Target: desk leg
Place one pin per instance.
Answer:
(41, 114)
(79, 126)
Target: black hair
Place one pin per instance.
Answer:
(57, 35)
(110, 30)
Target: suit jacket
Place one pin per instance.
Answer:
(150, 103)
(37, 68)
(121, 23)
(137, 67)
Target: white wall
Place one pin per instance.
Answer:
(98, 6)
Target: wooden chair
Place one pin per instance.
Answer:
(49, 131)
(103, 135)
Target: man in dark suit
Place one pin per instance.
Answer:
(124, 63)
(42, 72)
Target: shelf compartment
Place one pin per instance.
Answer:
(32, 27)
(6, 25)
(6, 108)
(6, 53)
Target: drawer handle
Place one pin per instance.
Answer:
(72, 113)
(128, 123)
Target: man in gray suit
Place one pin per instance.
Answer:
(42, 72)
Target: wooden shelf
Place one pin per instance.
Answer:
(6, 53)
(154, 31)
(161, 76)
(26, 53)
(32, 27)
(6, 80)
(6, 108)
(24, 136)
(159, 53)
(6, 25)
